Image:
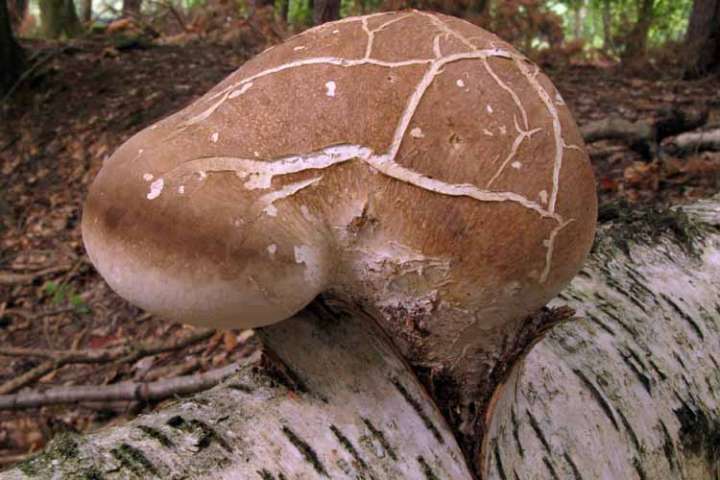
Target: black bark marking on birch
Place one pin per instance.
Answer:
(206, 435)
(418, 409)
(679, 360)
(427, 471)
(669, 447)
(265, 475)
(498, 461)
(348, 446)
(585, 274)
(684, 315)
(156, 435)
(305, 450)
(279, 371)
(699, 433)
(536, 428)
(599, 397)
(642, 378)
(380, 437)
(714, 361)
(551, 469)
(605, 308)
(628, 428)
(601, 324)
(638, 468)
(657, 369)
(241, 387)
(573, 466)
(134, 460)
(516, 432)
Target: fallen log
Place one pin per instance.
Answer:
(645, 136)
(627, 390)
(693, 142)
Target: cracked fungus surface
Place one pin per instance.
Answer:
(410, 129)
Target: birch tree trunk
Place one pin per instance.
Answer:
(630, 389)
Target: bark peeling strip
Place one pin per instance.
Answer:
(134, 460)
(600, 323)
(380, 437)
(348, 446)
(306, 450)
(669, 447)
(418, 409)
(157, 435)
(599, 397)
(427, 471)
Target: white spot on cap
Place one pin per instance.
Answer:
(336, 31)
(516, 165)
(417, 133)
(202, 174)
(148, 176)
(140, 152)
(240, 91)
(156, 188)
(299, 47)
(489, 108)
(488, 132)
(543, 196)
(214, 137)
(306, 255)
(271, 210)
(330, 86)
(272, 249)
(257, 154)
(460, 83)
(503, 129)
(306, 213)
(181, 189)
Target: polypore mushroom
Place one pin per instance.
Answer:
(411, 163)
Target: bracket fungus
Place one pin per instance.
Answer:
(409, 164)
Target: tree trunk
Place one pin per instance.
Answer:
(58, 18)
(11, 57)
(608, 43)
(86, 11)
(632, 389)
(629, 389)
(325, 11)
(636, 41)
(131, 8)
(703, 38)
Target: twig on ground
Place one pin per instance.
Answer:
(14, 278)
(58, 358)
(138, 391)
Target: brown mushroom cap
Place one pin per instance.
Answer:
(409, 160)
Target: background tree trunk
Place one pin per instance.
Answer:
(608, 42)
(325, 11)
(703, 38)
(10, 53)
(58, 18)
(86, 11)
(636, 41)
(131, 8)
(630, 389)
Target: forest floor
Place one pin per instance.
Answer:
(87, 97)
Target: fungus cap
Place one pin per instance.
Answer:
(409, 160)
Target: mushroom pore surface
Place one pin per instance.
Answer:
(409, 161)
